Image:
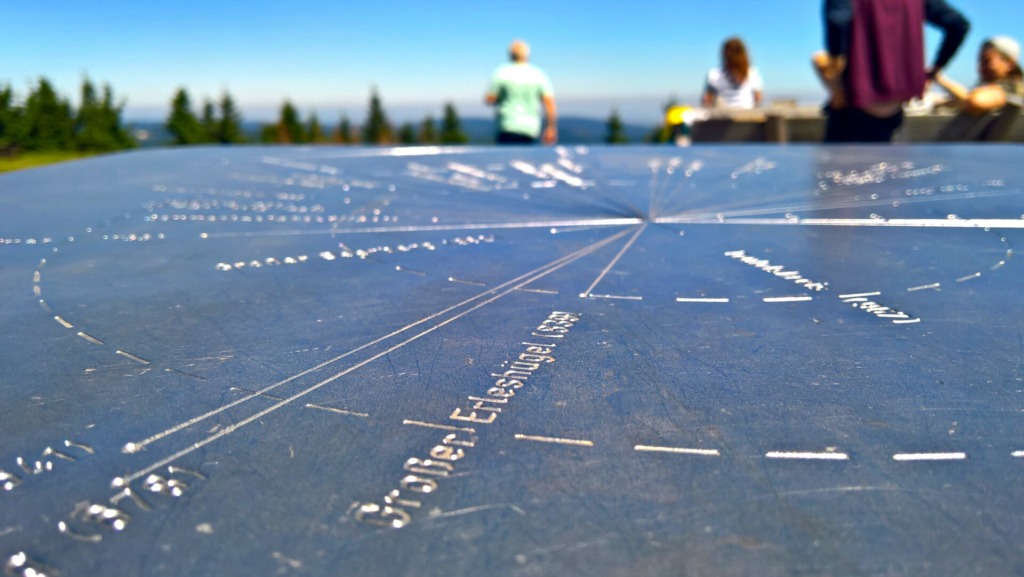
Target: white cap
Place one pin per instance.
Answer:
(1006, 46)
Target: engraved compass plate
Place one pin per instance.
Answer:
(571, 361)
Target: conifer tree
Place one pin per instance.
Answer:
(428, 130)
(314, 131)
(10, 120)
(229, 126)
(616, 131)
(210, 125)
(182, 122)
(407, 133)
(48, 122)
(343, 133)
(451, 127)
(289, 127)
(98, 123)
(376, 130)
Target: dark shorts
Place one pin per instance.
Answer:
(514, 138)
(855, 125)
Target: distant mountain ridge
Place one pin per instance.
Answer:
(571, 130)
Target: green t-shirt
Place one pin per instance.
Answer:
(519, 88)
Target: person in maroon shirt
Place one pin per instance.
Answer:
(873, 65)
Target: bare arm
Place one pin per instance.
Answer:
(980, 100)
(550, 135)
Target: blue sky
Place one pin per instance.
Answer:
(325, 55)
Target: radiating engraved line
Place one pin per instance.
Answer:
(702, 300)
(1018, 454)
(968, 277)
(618, 297)
(409, 270)
(437, 426)
(929, 456)
(860, 295)
(894, 222)
(934, 285)
(139, 360)
(611, 264)
(677, 450)
(247, 391)
(824, 456)
(474, 283)
(136, 446)
(45, 306)
(63, 322)
(526, 279)
(556, 440)
(787, 299)
(339, 411)
(538, 291)
(435, 227)
(90, 338)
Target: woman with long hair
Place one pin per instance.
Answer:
(736, 84)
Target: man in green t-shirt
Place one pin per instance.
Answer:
(518, 90)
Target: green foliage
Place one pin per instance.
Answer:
(616, 131)
(407, 133)
(428, 131)
(289, 126)
(314, 131)
(48, 123)
(209, 122)
(229, 126)
(451, 127)
(182, 122)
(10, 120)
(376, 130)
(343, 133)
(98, 124)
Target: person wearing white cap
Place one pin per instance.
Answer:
(1000, 76)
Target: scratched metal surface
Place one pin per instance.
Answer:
(724, 361)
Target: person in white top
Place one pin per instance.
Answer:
(736, 84)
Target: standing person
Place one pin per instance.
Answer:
(1000, 78)
(873, 65)
(736, 84)
(518, 90)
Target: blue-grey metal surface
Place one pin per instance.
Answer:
(631, 361)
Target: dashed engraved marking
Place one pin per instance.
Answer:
(139, 360)
(409, 270)
(556, 440)
(934, 286)
(929, 456)
(1018, 454)
(437, 426)
(90, 338)
(63, 322)
(787, 299)
(617, 297)
(469, 282)
(969, 277)
(677, 450)
(822, 456)
(338, 411)
(702, 299)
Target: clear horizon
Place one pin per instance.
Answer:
(324, 58)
